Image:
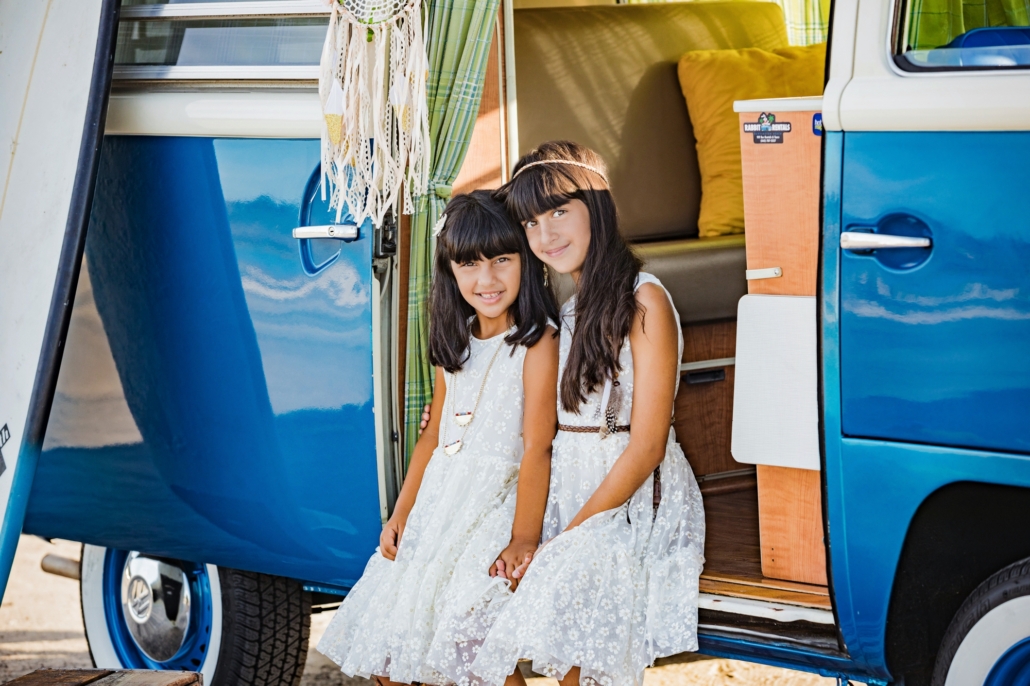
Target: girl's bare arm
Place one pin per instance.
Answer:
(394, 529)
(540, 423)
(655, 346)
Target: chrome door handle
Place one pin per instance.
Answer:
(857, 240)
(344, 232)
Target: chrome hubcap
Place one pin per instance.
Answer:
(156, 605)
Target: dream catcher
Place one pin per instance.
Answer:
(375, 144)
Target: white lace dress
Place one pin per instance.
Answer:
(619, 590)
(419, 618)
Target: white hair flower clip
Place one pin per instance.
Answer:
(438, 227)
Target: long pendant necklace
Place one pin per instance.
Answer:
(464, 419)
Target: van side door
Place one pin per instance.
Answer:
(926, 292)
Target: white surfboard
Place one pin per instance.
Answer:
(55, 74)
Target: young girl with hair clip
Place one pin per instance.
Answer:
(430, 592)
(616, 584)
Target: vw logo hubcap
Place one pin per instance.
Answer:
(156, 606)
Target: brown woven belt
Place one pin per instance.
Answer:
(591, 429)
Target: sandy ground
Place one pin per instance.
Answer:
(41, 626)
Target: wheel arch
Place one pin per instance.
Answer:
(961, 534)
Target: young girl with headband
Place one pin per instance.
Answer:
(430, 592)
(616, 584)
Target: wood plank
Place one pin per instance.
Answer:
(704, 412)
(763, 593)
(765, 582)
(791, 524)
(781, 205)
(59, 677)
(141, 677)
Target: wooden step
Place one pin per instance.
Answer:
(767, 593)
(106, 677)
(765, 582)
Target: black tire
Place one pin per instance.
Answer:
(266, 623)
(1010, 584)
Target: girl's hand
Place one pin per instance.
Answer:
(523, 567)
(426, 416)
(391, 536)
(513, 558)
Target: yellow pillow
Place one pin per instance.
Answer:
(711, 80)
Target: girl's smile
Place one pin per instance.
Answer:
(560, 237)
(490, 286)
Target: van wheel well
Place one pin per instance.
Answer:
(960, 535)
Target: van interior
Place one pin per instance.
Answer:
(605, 76)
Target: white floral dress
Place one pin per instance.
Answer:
(419, 618)
(619, 590)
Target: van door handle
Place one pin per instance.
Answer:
(343, 232)
(857, 240)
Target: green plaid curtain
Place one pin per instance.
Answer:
(458, 40)
(807, 20)
(935, 23)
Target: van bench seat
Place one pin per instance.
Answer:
(705, 276)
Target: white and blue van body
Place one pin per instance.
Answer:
(224, 434)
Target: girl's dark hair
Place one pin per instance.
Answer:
(478, 227)
(605, 299)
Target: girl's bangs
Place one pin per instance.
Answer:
(542, 189)
(480, 234)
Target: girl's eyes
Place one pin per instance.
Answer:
(533, 223)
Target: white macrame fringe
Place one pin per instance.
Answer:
(382, 153)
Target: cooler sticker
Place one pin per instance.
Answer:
(767, 129)
(5, 435)
(817, 123)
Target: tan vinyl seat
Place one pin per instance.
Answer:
(605, 77)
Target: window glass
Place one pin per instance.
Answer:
(241, 42)
(127, 3)
(965, 34)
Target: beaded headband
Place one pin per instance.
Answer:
(572, 162)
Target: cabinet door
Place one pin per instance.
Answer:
(935, 341)
(217, 401)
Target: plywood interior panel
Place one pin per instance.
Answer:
(791, 524)
(704, 411)
(781, 204)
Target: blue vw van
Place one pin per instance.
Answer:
(226, 430)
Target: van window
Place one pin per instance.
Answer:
(191, 40)
(247, 42)
(944, 35)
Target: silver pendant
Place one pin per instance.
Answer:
(452, 448)
(463, 418)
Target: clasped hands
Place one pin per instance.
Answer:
(514, 560)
